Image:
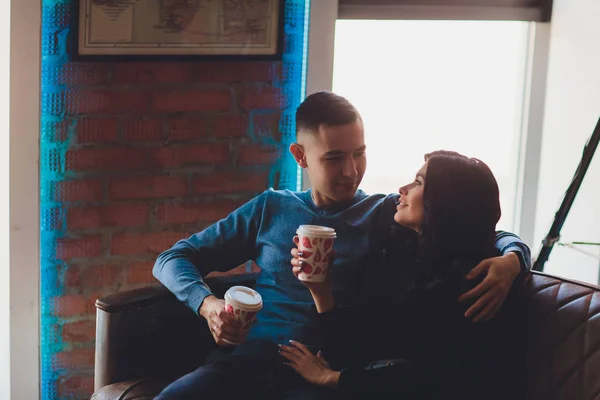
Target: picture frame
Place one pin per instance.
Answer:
(154, 30)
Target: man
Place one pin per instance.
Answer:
(330, 146)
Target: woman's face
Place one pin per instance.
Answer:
(409, 211)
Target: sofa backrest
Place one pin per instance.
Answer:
(563, 339)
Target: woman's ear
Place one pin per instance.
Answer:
(299, 155)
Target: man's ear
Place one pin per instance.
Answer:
(299, 155)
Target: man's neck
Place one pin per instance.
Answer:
(322, 201)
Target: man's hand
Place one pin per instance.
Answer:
(226, 330)
(492, 291)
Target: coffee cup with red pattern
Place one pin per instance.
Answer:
(316, 244)
(243, 303)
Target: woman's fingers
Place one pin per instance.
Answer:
(301, 347)
(291, 353)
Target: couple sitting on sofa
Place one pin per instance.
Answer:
(421, 301)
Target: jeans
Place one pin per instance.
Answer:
(253, 370)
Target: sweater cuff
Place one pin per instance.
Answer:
(525, 265)
(196, 296)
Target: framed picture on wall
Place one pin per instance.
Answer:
(166, 29)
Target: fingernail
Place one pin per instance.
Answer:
(291, 341)
(300, 254)
(280, 345)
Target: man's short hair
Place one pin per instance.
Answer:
(324, 108)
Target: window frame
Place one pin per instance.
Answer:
(321, 48)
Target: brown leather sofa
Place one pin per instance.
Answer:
(145, 339)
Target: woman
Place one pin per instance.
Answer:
(429, 349)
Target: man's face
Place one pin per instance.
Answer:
(335, 161)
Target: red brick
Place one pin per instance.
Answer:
(72, 305)
(146, 158)
(112, 159)
(97, 130)
(73, 359)
(262, 98)
(230, 126)
(93, 276)
(122, 215)
(143, 130)
(130, 244)
(79, 332)
(80, 73)
(143, 73)
(192, 100)
(186, 128)
(206, 154)
(140, 273)
(237, 72)
(72, 277)
(81, 247)
(75, 386)
(230, 182)
(266, 126)
(256, 154)
(75, 102)
(73, 191)
(55, 131)
(148, 187)
(193, 212)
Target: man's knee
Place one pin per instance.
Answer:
(208, 380)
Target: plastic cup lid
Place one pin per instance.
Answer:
(316, 230)
(246, 298)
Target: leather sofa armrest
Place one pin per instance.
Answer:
(148, 332)
(141, 389)
(143, 297)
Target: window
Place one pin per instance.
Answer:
(428, 85)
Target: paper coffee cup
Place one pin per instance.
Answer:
(243, 303)
(316, 244)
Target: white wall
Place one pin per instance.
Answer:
(4, 210)
(571, 112)
(19, 177)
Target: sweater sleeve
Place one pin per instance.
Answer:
(220, 247)
(507, 242)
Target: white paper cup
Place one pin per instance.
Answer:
(316, 244)
(243, 303)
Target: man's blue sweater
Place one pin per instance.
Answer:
(262, 230)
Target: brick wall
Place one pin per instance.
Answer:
(153, 153)
(145, 154)
(133, 157)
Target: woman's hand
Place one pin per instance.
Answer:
(298, 263)
(312, 368)
(322, 292)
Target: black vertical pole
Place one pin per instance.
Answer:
(561, 215)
